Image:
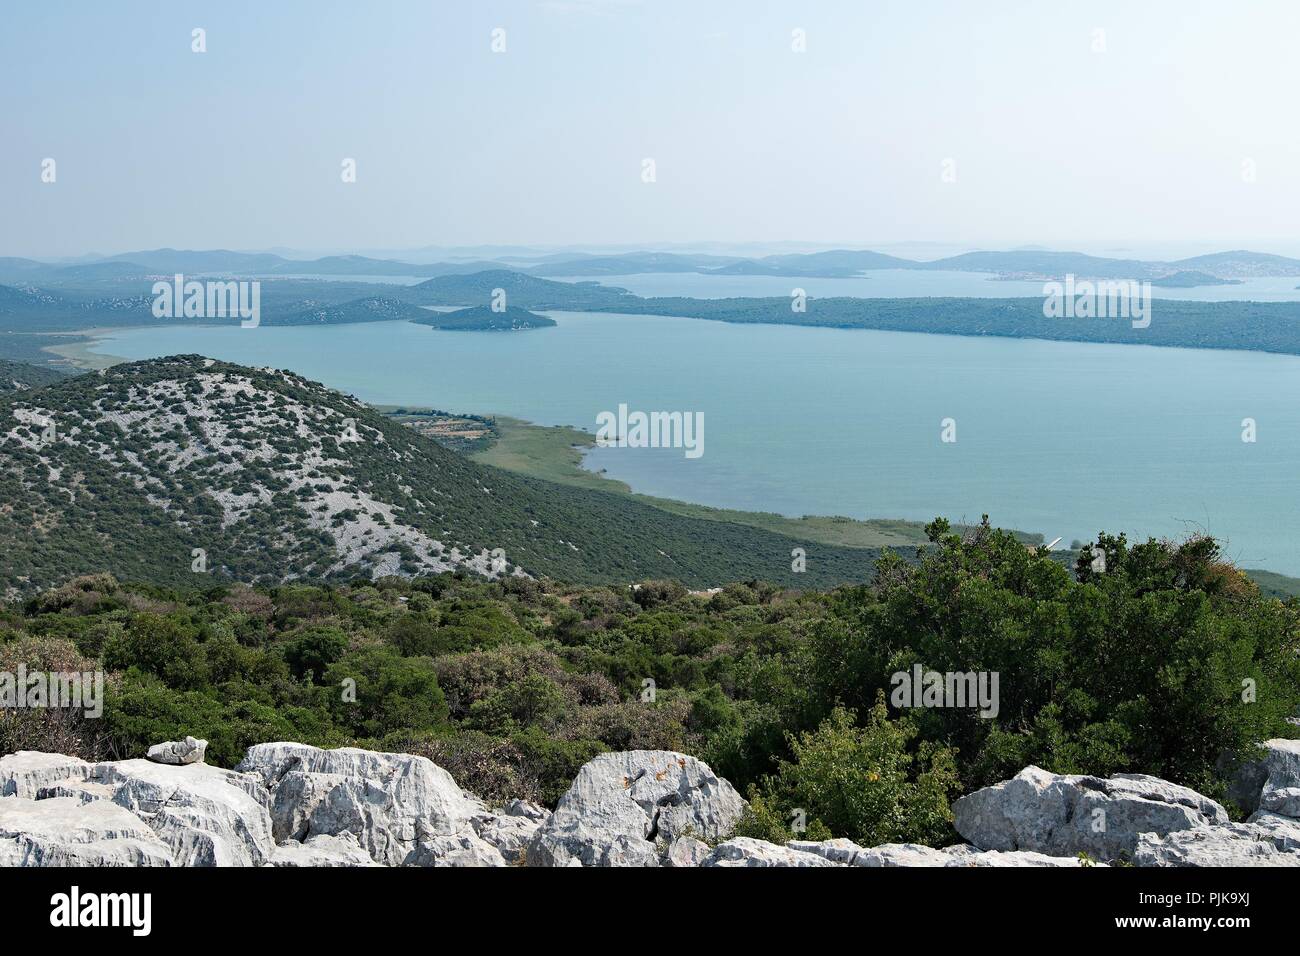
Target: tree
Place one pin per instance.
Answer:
(391, 693)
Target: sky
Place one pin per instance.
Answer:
(988, 124)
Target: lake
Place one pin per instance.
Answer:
(1056, 437)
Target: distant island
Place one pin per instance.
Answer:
(482, 318)
(1030, 263)
(1191, 279)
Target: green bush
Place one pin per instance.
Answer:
(161, 646)
(859, 782)
(374, 690)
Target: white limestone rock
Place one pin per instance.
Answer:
(509, 833)
(402, 809)
(1283, 832)
(178, 752)
(913, 854)
(748, 852)
(525, 809)
(463, 849)
(901, 854)
(1231, 845)
(322, 850)
(970, 856)
(686, 851)
(207, 815)
(621, 803)
(1061, 815)
(24, 773)
(63, 831)
(1281, 791)
(837, 851)
(295, 798)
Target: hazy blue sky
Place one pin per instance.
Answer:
(241, 146)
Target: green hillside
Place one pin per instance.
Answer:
(272, 477)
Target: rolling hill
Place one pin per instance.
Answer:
(369, 309)
(20, 377)
(522, 290)
(146, 468)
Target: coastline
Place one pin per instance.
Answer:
(557, 454)
(76, 353)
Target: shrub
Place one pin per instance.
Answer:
(160, 646)
(861, 783)
(391, 692)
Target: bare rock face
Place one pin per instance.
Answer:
(1066, 815)
(292, 805)
(848, 853)
(1231, 845)
(62, 831)
(401, 809)
(972, 857)
(463, 848)
(178, 752)
(512, 829)
(322, 850)
(25, 773)
(207, 815)
(686, 851)
(1281, 791)
(1283, 832)
(198, 815)
(288, 805)
(621, 804)
(837, 851)
(748, 852)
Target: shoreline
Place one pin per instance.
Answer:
(557, 453)
(77, 354)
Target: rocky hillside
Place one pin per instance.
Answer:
(19, 376)
(290, 805)
(164, 469)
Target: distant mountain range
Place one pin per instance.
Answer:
(35, 319)
(182, 470)
(1021, 263)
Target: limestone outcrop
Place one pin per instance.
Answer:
(291, 805)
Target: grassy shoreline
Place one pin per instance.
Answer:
(77, 352)
(556, 453)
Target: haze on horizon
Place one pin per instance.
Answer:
(1172, 124)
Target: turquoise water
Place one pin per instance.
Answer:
(1061, 438)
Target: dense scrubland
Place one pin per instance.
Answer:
(1170, 663)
